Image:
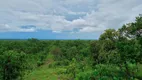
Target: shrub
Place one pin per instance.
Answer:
(12, 65)
(106, 72)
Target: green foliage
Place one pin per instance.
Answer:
(109, 34)
(106, 72)
(56, 51)
(12, 65)
(72, 68)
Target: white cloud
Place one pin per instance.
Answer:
(6, 27)
(52, 14)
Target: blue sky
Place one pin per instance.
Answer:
(64, 19)
(47, 35)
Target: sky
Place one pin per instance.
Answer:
(64, 19)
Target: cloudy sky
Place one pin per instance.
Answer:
(64, 19)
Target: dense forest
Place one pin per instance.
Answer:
(116, 55)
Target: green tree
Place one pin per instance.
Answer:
(57, 52)
(108, 51)
(95, 48)
(109, 34)
(12, 65)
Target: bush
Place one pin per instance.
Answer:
(12, 65)
(106, 72)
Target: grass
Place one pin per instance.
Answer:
(45, 73)
(140, 70)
